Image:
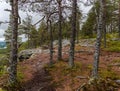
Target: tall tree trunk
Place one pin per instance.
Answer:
(77, 32)
(98, 41)
(119, 20)
(60, 31)
(28, 41)
(73, 34)
(104, 22)
(51, 43)
(14, 50)
(77, 36)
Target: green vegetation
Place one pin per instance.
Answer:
(113, 46)
(3, 61)
(20, 76)
(112, 35)
(109, 74)
(23, 46)
(116, 61)
(101, 20)
(99, 85)
(3, 51)
(62, 73)
(2, 89)
(89, 26)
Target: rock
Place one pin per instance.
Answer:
(116, 39)
(115, 64)
(33, 55)
(55, 42)
(45, 47)
(65, 42)
(118, 82)
(82, 77)
(26, 54)
(46, 51)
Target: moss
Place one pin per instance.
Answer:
(78, 47)
(112, 35)
(113, 46)
(109, 74)
(17, 86)
(90, 67)
(20, 76)
(113, 49)
(61, 72)
(116, 61)
(2, 89)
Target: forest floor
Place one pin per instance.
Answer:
(36, 78)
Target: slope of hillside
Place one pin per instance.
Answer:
(35, 74)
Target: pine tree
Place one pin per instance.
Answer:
(98, 41)
(60, 30)
(14, 49)
(73, 34)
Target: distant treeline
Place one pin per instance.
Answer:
(2, 44)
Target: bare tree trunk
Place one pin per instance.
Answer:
(104, 22)
(119, 20)
(77, 33)
(98, 41)
(60, 31)
(77, 37)
(51, 43)
(28, 41)
(14, 50)
(73, 34)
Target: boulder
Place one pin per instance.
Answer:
(25, 54)
(118, 82)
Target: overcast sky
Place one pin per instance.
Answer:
(4, 16)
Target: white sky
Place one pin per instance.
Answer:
(4, 16)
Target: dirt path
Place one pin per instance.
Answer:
(36, 78)
(40, 82)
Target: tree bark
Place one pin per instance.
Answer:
(119, 20)
(51, 43)
(14, 49)
(104, 22)
(73, 34)
(98, 41)
(60, 31)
